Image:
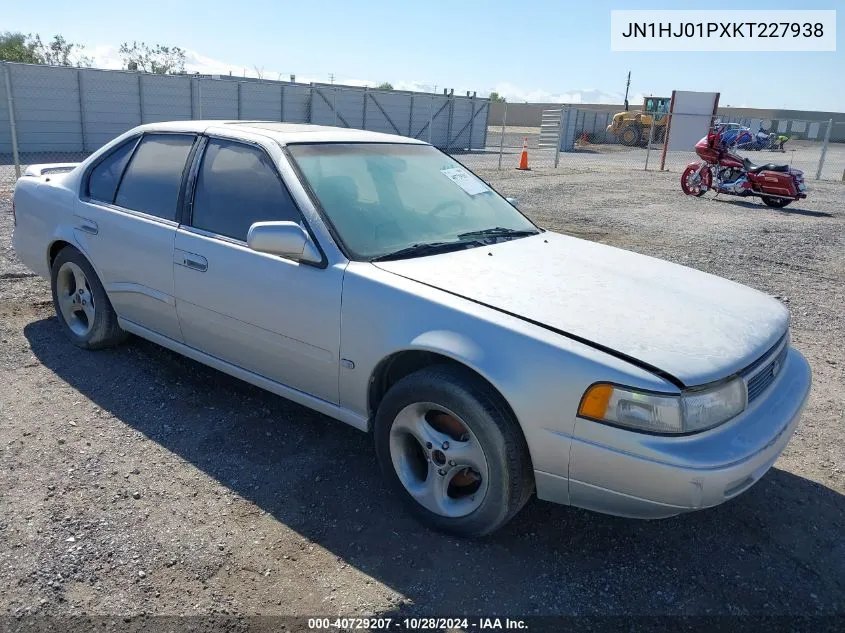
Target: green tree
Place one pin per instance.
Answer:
(385, 85)
(60, 52)
(17, 47)
(495, 97)
(158, 59)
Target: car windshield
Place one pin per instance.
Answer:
(405, 200)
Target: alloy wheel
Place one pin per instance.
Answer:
(76, 301)
(438, 459)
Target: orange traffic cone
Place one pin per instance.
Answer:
(523, 158)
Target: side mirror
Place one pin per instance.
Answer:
(513, 201)
(286, 239)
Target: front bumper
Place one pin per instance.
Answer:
(645, 476)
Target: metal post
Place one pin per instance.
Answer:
(449, 123)
(486, 126)
(364, 108)
(13, 129)
(411, 118)
(282, 103)
(430, 116)
(557, 141)
(824, 149)
(81, 107)
(199, 96)
(502, 140)
(564, 124)
(311, 104)
(239, 100)
(191, 95)
(471, 123)
(140, 101)
(648, 147)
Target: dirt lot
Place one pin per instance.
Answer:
(134, 480)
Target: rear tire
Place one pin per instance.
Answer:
(693, 187)
(82, 305)
(429, 428)
(775, 203)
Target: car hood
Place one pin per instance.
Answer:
(692, 325)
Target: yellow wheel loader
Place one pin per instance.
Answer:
(633, 128)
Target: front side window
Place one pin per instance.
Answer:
(238, 185)
(104, 178)
(152, 181)
(385, 197)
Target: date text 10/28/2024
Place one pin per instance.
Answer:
(416, 624)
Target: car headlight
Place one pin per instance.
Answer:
(687, 412)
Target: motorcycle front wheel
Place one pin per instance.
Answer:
(696, 185)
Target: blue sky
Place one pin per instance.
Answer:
(528, 50)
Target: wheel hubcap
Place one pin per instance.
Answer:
(76, 301)
(438, 459)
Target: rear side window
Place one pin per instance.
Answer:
(102, 184)
(152, 180)
(236, 186)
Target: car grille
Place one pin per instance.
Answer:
(760, 381)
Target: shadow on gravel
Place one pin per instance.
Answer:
(776, 549)
(786, 210)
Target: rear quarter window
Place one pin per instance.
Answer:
(104, 178)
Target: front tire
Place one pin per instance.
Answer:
(451, 449)
(82, 305)
(632, 134)
(693, 185)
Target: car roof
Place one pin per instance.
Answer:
(286, 133)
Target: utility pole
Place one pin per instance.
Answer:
(627, 85)
(331, 78)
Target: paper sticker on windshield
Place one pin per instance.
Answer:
(465, 180)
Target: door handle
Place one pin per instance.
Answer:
(190, 260)
(195, 262)
(89, 226)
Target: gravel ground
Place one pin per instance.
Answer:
(136, 481)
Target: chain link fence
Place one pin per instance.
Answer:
(802, 144)
(61, 115)
(587, 143)
(55, 114)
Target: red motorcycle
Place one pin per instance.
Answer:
(776, 185)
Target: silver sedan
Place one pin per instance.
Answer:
(378, 281)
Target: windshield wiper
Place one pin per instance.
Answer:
(498, 231)
(426, 248)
